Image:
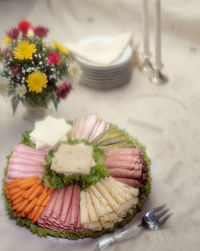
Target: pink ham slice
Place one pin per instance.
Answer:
(89, 126)
(17, 174)
(124, 173)
(125, 164)
(25, 169)
(133, 158)
(75, 207)
(130, 182)
(62, 213)
(101, 128)
(66, 203)
(28, 156)
(29, 150)
(124, 151)
(58, 204)
(28, 162)
(80, 127)
(94, 130)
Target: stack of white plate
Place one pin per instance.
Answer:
(105, 76)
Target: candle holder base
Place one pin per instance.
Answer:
(146, 66)
(158, 78)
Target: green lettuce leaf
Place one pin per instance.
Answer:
(99, 171)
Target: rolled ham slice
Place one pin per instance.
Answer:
(58, 204)
(101, 128)
(130, 182)
(28, 162)
(25, 169)
(75, 207)
(124, 173)
(126, 164)
(18, 174)
(124, 151)
(89, 126)
(29, 150)
(80, 127)
(38, 158)
(136, 159)
(94, 130)
(66, 203)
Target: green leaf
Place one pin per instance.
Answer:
(15, 102)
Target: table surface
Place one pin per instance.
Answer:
(164, 118)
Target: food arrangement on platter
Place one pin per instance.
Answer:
(76, 179)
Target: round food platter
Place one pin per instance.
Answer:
(88, 179)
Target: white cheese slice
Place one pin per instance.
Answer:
(91, 212)
(83, 209)
(99, 209)
(101, 199)
(104, 192)
(49, 131)
(72, 159)
(112, 190)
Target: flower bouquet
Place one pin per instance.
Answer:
(36, 69)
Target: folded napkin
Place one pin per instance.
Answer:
(102, 52)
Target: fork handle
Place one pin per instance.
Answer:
(117, 237)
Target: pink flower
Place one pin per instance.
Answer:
(24, 26)
(63, 90)
(41, 31)
(53, 58)
(13, 33)
(15, 69)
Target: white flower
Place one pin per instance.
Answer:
(30, 33)
(74, 72)
(3, 88)
(20, 90)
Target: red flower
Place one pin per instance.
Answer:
(41, 31)
(53, 58)
(8, 53)
(24, 26)
(15, 69)
(63, 90)
(13, 33)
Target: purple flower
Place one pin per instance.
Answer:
(13, 33)
(41, 31)
(63, 90)
(15, 69)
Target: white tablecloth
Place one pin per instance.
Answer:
(164, 118)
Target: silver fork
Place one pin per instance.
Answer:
(152, 220)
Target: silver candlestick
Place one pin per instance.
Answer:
(146, 66)
(157, 77)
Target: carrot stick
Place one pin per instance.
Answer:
(34, 212)
(38, 213)
(37, 192)
(12, 182)
(41, 198)
(18, 200)
(32, 189)
(50, 191)
(22, 214)
(46, 200)
(28, 183)
(28, 179)
(30, 206)
(14, 207)
(46, 189)
(14, 190)
(15, 196)
(23, 205)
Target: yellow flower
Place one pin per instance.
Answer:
(36, 81)
(24, 50)
(7, 40)
(61, 48)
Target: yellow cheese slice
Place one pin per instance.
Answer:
(99, 209)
